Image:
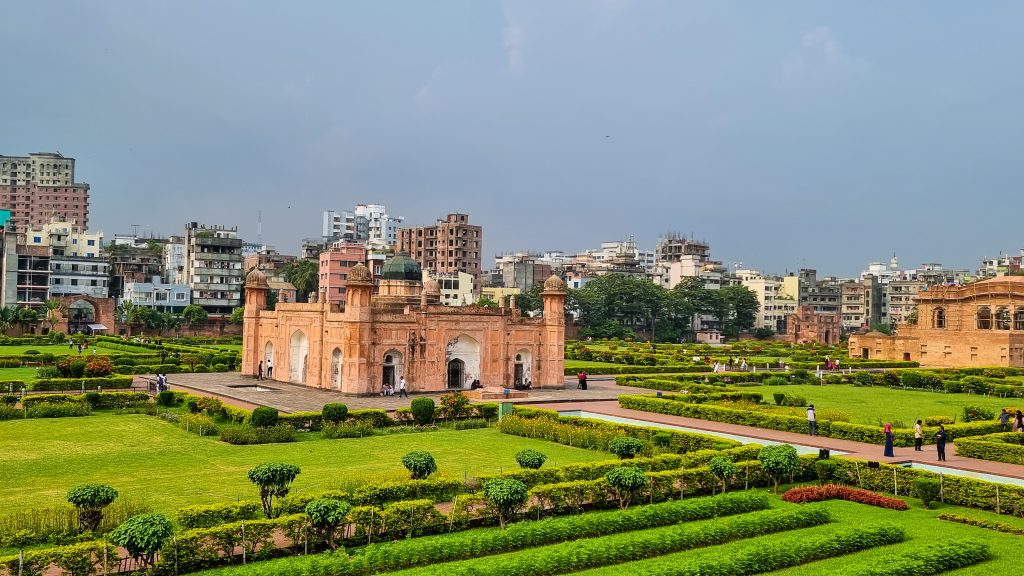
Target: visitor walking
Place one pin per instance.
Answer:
(1004, 420)
(918, 436)
(401, 388)
(584, 381)
(579, 380)
(259, 371)
(940, 442)
(888, 440)
(1018, 422)
(812, 421)
(270, 369)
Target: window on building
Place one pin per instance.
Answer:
(180, 296)
(984, 318)
(1002, 318)
(939, 318)
(1018, 318)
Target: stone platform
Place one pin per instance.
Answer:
(496, 393)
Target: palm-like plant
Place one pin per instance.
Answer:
(53, 311)
(129, 314)
(304, 275)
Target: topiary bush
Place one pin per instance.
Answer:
(779, 461)
(936, 420)
(530, 459)
(927, 489)
(780, 398)
(326, 516)
(420, 464)
(825, 470)
(264, 417)
(90, 500)
(627, 481)
(723, 468)
(423, 411)
(143, 536)
(274, 481)
(625, 447)
(507, 496)
(335, 413)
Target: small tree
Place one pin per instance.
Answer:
(274, 480)
(335, 413)
(627, 481)
(190, 360)
(423, 411)
(778, 461)
(530, 459)
(420, 464)
(194, 315)
(143, 536)
(454, 405)
(723, 469)
(507, 495)
(326, 515)
(19, 540)
(90, 500)
(625, 447)
(927, 489)
(237, 315)
(264, 417)
(825, 470)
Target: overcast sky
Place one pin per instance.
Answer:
(825, 134)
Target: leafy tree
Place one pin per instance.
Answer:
(27, 316)
(627, 481)
(190, 360)
(237, 315)
(763, 333)
(8, 318)
(735, 308)
(194, 315)
(454, 405)
(486, 301)
(143, 536)
(883, 328)
(326, 515)
(625, 447)
(530, 459)
(507, 496)
(304, 275)
(129, 314)
(529, 301)
(54, 310)
(778, 461)
(723, 469)
(274, 481)
(90, 500)
(420, 464)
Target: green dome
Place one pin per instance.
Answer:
(401, 267)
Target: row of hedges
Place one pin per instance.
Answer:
(595, 434)
(1007, 447)
(71, 384)
(804, 494)
(843, 430)
(856, 363)
(98, 400)
(625, 369)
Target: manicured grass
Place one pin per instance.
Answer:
(55, 349)
(155, 461)
(24, 374)
(225, 347)
(870, 405)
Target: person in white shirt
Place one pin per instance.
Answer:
(270, 369)
(401, 388)
(812, 421)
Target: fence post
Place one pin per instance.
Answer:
(942, 488)
(997, 499)
(895, 486)
(104, 559)
(243, 541)
(174, 540)
(857, 464)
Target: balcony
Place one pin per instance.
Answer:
(217, 301)
(212, 241)
(219, 256)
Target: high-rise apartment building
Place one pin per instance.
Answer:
(450, 245)
(368, 223)
(41, 187)
(213, 267)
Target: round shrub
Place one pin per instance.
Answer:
(723, 469)
(625, 447)
(936, 420)
(264, 417)
(420, 464)
(530, 459)
(507, 495)
(927, 489)
(90, 500)
(825, 470)
(423, 411)
(627, 481)
(662, 439)
(335, 413)
(326, 515)
(779, 397)
(143, 535)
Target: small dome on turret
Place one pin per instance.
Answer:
(554, 284)
(431, 286)
(256, 279)
(360, 273)
(401, 267)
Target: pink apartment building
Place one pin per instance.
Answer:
(335, 264)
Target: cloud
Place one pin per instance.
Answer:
(820, 54)
(512, 39)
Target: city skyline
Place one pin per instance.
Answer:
(782, 134)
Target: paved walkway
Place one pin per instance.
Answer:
(853, 449)
(241, 391)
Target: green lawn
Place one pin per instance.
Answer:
(225, 347)
(146, 458)
(24, 374)
(55, 349)
(870, 405)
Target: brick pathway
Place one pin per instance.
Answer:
(238, 390)
(853, 449)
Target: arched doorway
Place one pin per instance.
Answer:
(81, 313)
(268, 358)
(828, 336)
(297, 357)
(392, 368)
(456, 373)
(466, 349)
(336, 368)
(521, 367)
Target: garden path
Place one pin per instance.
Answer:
(852, 449)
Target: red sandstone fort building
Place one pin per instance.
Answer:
(980, 324)
(403, 331)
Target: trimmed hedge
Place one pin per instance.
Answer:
(1007, 447)
(935, 558)
(982, 523)
(635, 369)
(832, 429)
(60, 384)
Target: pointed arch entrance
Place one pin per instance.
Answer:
(336, 369)
(299, 351)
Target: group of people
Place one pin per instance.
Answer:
(522, 384)
(940, 435)
(161, 383)
(270, 370)
(83, 345)
(389, 388)
(1018, 420)
(581, 379)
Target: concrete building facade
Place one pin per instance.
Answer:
(450, 245)
(213, 267)
(41, 187)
